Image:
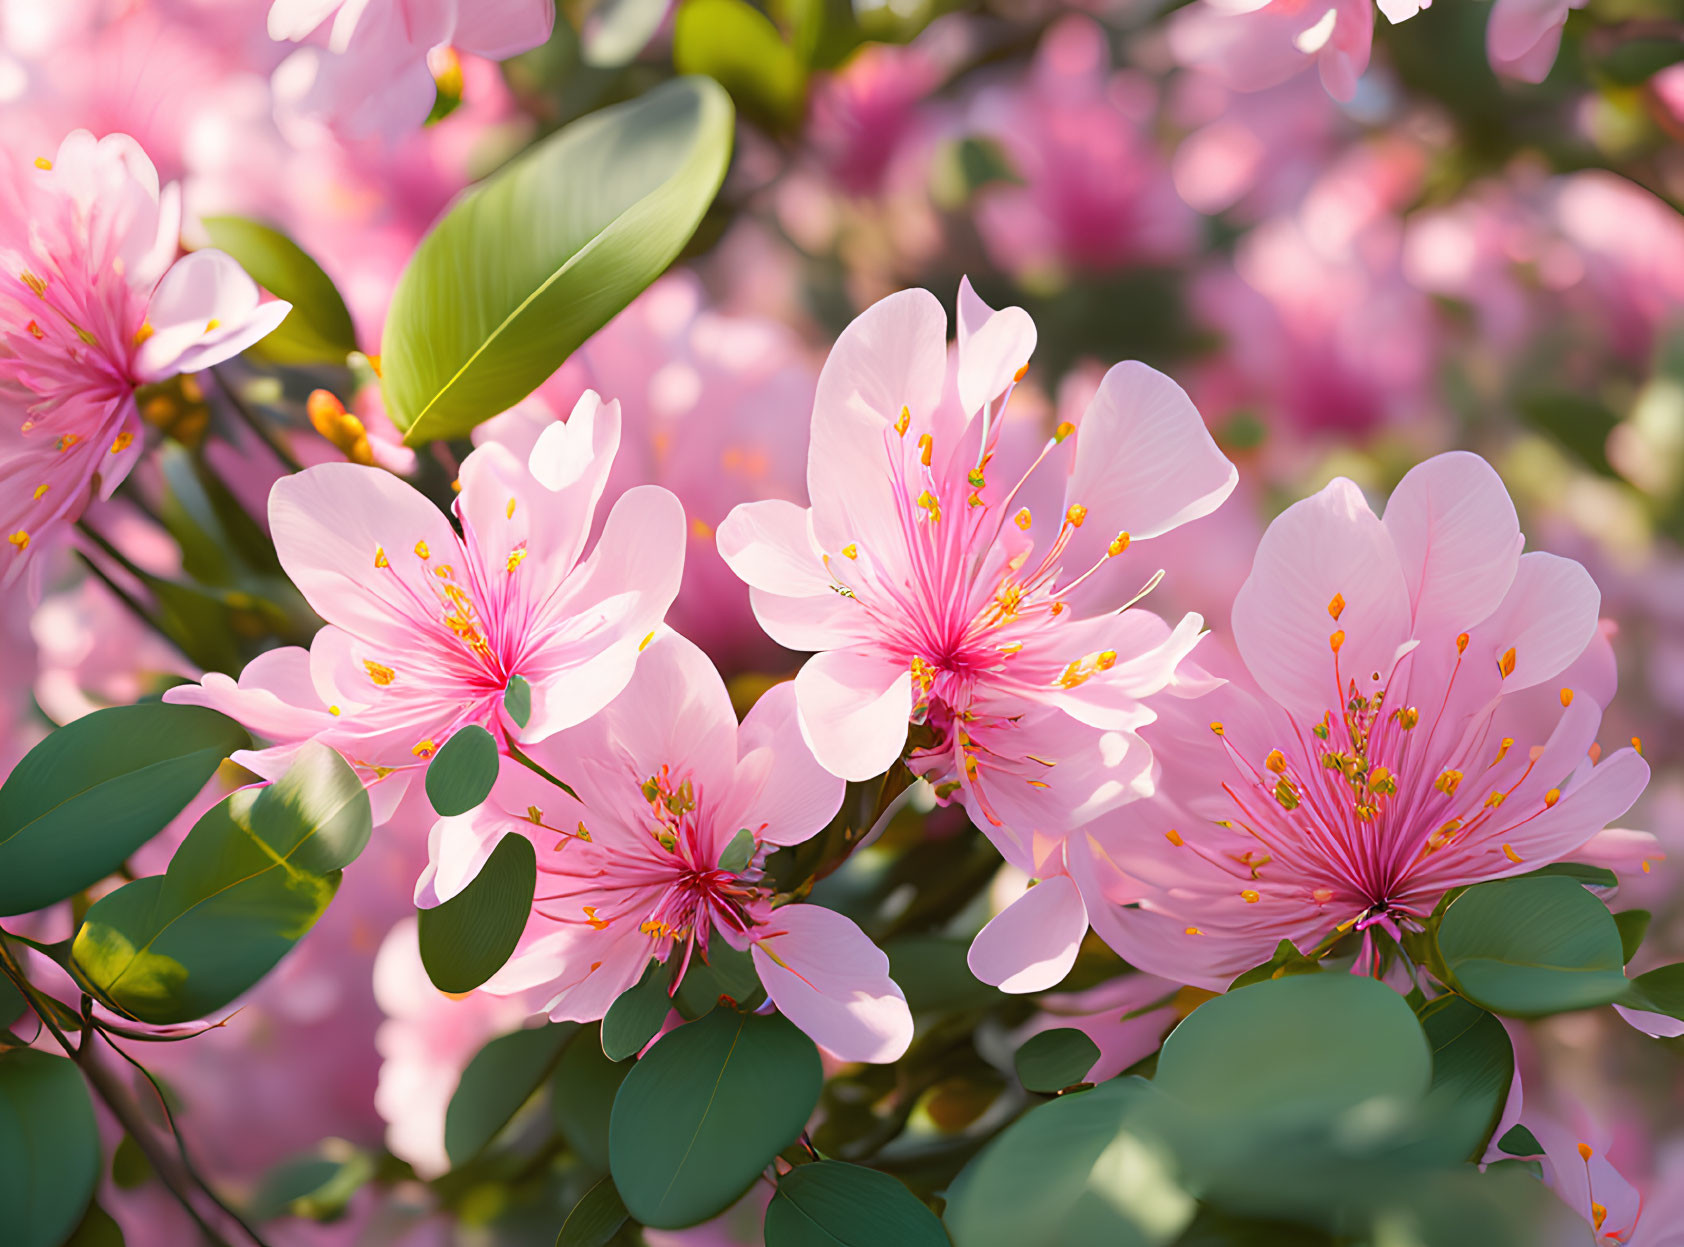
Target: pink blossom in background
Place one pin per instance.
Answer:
(1416, 709)
(94, 652)
(716, 410)
(667, 781)
(1523, 36)
(859, 115)
(1577, 1169)
(427, 628)
(94, 303)
(369, 75)
(937, 603)
(1253, 45)
(1098, 194)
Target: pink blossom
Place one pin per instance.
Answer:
(1523, 36)
(920, 575)
(1098, 194)
(1618, 1211)
(427, 628)
(1253, 44)
(372, 75)
(862, 112)
(93, 303)
(1416, 710)
(667, 781)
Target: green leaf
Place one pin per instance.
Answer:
(467, 939)
(739, 852)
(582, 1097)
(933, 972)
(502, 1076)
(1301, 1048)
(1633, 925)
(96, 1230)
(1531, 947)
(615, 31)
(317, 1187)
(736, 45)
(1286, 960)
(1581, 872)
(1658, 991)
(463, 771)
(97, 789)
(1052, 1060)
(706, 1110)
(1519, 1141)
(635, 1016)
(595, 1219)
(832, 1204)
(1473, 1070)
(49, 1148)
(727, 976)
(542, 254)
(1071, 1173)
(517, 700)
(247, 883)
(318, 330)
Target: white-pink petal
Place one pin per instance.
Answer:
(826, 976)
(1031, 944)
(854, 708)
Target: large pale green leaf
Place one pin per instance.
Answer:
(49, 1148)
(705, 1110)
(97, 789)
(737, 45)
(541, 255)
(249, 881)
(595, 1219)
(832, 1204)
(502, 1076)
(582, 1097)
(1531, 947)
(318, 330)
(467, 939)
(1473, 1068)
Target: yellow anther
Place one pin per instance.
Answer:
(1636, 741)
(1118, 545)
(700, 529)
(1106, 660)
(20, 539)
(143, 333)
(926, 446)
(1322, 896)
(334, 711)
(425, 748)
(381, 675)
(421, 551)
(850, 551)
(1217, 728)
(41, 490)
(42, 163)
(1064, 430)
(67, 440)
(1250, 896)
(534, 815)
(515, 557)
(380, 559)
(35, 331)
(1598, 1214)
(1022, 519)
(1594, 753)
(1505, 664)
(122, 442)
(1408, 717)
(970, 767)
(1194, 931)
(597, 924)
(1011, 647)
(37, 284)
(1551, 797)
(1503, 749)
(1174, 837)
(1585, 1152)
(85, 334)
(1447, 782)
(1508, 852)
(1286, 794)
(931, 504)
(1495, 799)
(212, 325)
(1336, 640)
(644, 643)
(1276, 761)
(1057, 608)
(1021, 373)
(1566, 698)
(509, 511)
(1336, 607)
(976, 479)
(1462, 643)
(905, 421)
(1076, 514)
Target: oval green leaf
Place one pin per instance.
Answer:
(1658, 991)
(49, 1148)
(95, 790)
(1531, 947)
(318, 330)
(542, 254)
(468, 938)
(247, 883)
(737, 45)
(1633, 925)
(582, 1097)
(832, 1204)
(462, 773)
(502, 1076)
(1052, 1060)
(705, 1111)
(595, 1219)
(635, 1016)
(1473, 1069)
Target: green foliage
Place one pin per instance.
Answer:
(595, 1219)
(1533, 946)
(542, 254)
(317, 1187)
(249, 881)
(615, 31)
(49, 1148)
(1519, 1141)
(517, 700)
(97, 789)
(1633, 925)
(635, 1016)
(1659, 991)
(318, 330)
(1473, 1069)
(468, 938)
(96, 1230)
(1052, 1060)
(738, 46)
(582, 1095)
(462, 773)
(503, 1075)
(739, 852)
(832, 1204)
(726, 976)
(705, 1110)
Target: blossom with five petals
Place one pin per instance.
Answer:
(93, 303)
(1420, 714)
(427, 628)
(651, 859)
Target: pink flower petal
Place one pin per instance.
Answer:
(824, 975)
(1031, 944)
(1457, 539)
(854, 709)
